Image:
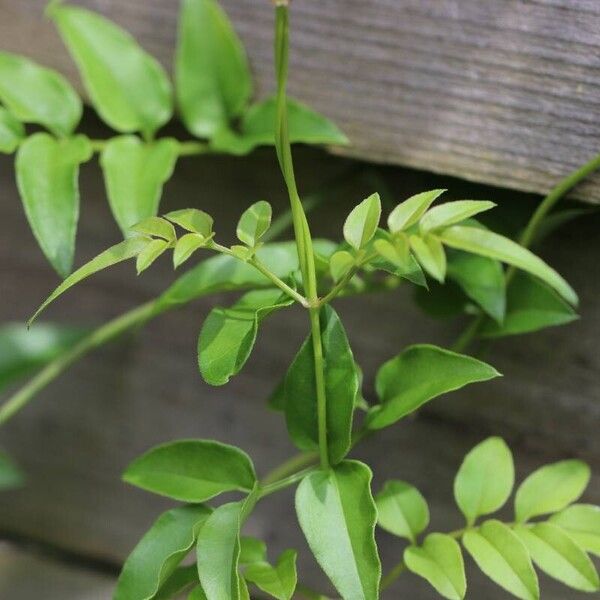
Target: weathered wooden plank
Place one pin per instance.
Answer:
(503, 91)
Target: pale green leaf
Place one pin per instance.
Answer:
(115, 254)
(149, 254)
(228, 334)
(213, 81)
(134, 174)
(430, 253)
(402, 510)
(409, 212)
(410, 271)
(582, 523)
(278, 581)
(439, 561)
(128, 87)
(419, 374)
(555, 553)
(193, 220)
(186, 245)
(396, 252)
(337, 514)
(341, 385)
(47, 177)
(531, 306)
(35, 94)
(12, 132)
(252, 550)
(158, 553)
(551, 488)
(485, 479)
(156, 226)
(254, 223)
(10, 475)
(192, 470)
(450, 213)
(503, 557)
(197, 594)
(362, 222)
(340, 264)
(486, 243)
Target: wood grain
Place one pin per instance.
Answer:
(505, 92)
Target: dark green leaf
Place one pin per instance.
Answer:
(23, 351)
(440, 562)
(419, 374)
(34, 94)
(158, 553)
(134, 174)
(12, 132)
(450, 213)
(410, 271)
(485, 479)
(127, 86)
(407, 213)
(582, 523)
(213, 81)
(341, 384)
(402, 510)
(115, 254)
(501, 555)
(555, 553)
(486, 243)
(47, 176)
(149, 254)
(430, 253)
(257, 128)
(531, 305)
(551, 488)
(228, 334)
(179, 581)
(254, 223)
(337, 515)
(193, 220)
(197, 594)
(10, 475)
(278, 581)
(192, 470)
(362, 222)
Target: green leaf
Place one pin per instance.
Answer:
(419, 374)
(156, 226)
(397, 251)
(402, 510)
(149, 254)
(178, 582)
(193, 220)
(115, 254)
(192, 470)
(555, 553)
(486, 243)
(10, 475)
(410, 271)
(186, 245)
(362, 222)
(430, 254)
(228, 334)
(254, 223)
(158, 553)
(134, 174)
(12, 132)
(450, 213)
(582, 523)
(340, 264)
(47, 176)
(34, 94)
(485, 479)
(502, 556)
(127, 86)
(551, 488)
(337, 514)
(197, 594)
(252, 550)
(531, 306)
(278, 581)
(213, 81)
(23, 351)
(341, 384)
(440, 562)
(481, 279)
(257, 128)
(407, 213)
(218, 553)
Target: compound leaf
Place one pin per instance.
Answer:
(582, 523)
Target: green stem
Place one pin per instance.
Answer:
(191, 148)
(290, 466)
(285, 482)
(528, 236)
(279, 282)
(100, 336)
(393, 575)
(317, 343)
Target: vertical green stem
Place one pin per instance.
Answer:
(301, 228)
